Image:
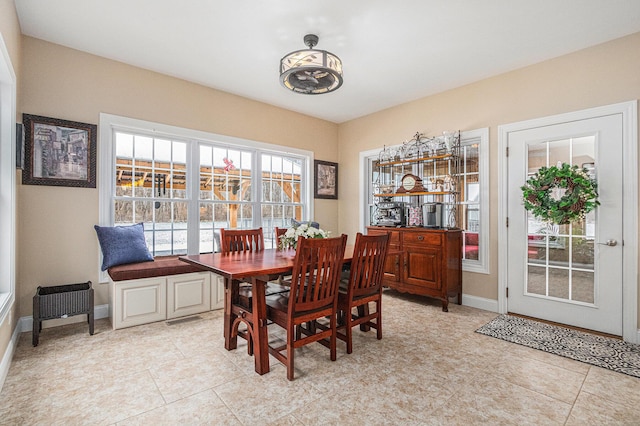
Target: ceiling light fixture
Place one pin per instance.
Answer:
(311, 71)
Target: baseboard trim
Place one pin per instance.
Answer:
(480, 303)
(8, 356)
(101, 311)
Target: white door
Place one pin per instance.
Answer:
(571, 274)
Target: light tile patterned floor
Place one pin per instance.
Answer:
(429, 368)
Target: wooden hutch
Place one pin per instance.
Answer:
(419, 181)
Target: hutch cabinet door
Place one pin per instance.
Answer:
(422, 267)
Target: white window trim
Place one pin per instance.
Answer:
(110, 123)
(478, 266)
(481, 265)
(7, 182)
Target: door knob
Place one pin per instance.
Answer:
(610, 243)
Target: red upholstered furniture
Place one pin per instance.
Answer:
(470, 245)
(161, 266)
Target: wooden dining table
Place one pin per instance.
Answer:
(255, 267)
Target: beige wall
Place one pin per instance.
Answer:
(602, 75)
(10, 30)
(57, 243)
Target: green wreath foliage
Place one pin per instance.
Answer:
(579, 198)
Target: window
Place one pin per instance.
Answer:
(184, 185)
(7, 182)
(150, 184)
(474, 197)
(281, 192)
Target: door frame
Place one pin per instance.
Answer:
(629, 111)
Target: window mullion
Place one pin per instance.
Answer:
(256, 189)
(193, 197)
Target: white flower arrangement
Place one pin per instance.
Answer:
(290, 238)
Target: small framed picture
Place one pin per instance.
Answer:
(59, 152)
(326, 180)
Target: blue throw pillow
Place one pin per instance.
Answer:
(122, 244)
(295, 223)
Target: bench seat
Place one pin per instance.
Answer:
(161, 266)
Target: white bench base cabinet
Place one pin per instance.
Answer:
(141, 301)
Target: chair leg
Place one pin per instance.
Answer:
(332, 339)
(290, 351)
(379, 319)
(348, 318)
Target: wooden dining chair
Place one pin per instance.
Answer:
(235, 240)
(363, 286)
(282, 279)
(279, 232)
(245, 240)
(314, 289)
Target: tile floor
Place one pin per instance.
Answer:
(430, 368)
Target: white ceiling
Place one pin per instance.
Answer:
(392, 51)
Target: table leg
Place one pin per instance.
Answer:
(260, 335)
(230, 341)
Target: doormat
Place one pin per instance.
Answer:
(600, 351)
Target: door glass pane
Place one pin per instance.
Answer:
(559, 283)
(582, 286)
(582, 253)
(536, 280)
(559, 152)
(560, 258)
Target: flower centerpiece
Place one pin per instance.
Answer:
(560, 194)
(290, 238)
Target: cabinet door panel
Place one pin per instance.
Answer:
(422, 267)
(138, 302)
(188, 294)
(217, 291)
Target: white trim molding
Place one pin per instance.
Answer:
(7, 182)
(8, 355)
(480, 266)
(629, 113)
(490, 305)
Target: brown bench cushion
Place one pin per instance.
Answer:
(160, 266)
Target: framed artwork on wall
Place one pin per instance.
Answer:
(325, 180)
(59, 152)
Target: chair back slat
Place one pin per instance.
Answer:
(367, 266)
(279, 232)
(236, 240)
(316, 273)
